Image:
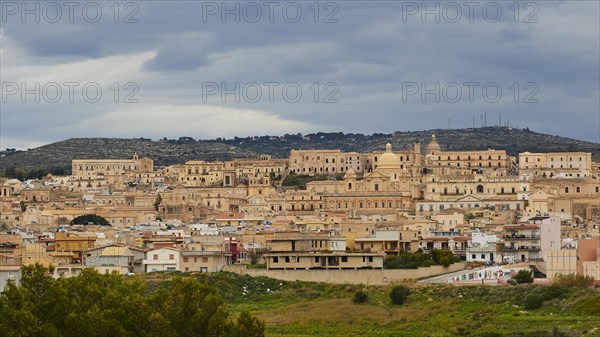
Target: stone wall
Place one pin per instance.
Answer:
(359, 276)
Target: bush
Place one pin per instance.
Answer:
(360, 297)
(573, 280)
(523, 276)
(407, 260)
(533, 301)
(590, 306)
(399, 294)
(552, 292)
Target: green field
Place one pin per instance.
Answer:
(294, 309)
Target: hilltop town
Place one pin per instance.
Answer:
(321, 211)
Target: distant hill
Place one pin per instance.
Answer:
(56, 157)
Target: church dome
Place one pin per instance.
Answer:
(388, 160)
(433, 146)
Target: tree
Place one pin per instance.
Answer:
(248, 326)
(106, 305)
(90, 218)
(399, 294)
(157, 202)
(523, 276)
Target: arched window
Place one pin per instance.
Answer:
(577, 189)
(376, 187)
(566, 190)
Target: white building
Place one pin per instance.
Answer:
(162, 259)
(482, 248)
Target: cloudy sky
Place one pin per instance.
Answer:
(208, 69)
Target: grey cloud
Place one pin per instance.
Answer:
(369, 53)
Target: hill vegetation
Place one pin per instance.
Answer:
(218, 304)
(111, 305)
(56, 157)
(294, 309)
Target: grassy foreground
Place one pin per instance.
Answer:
(294, 309)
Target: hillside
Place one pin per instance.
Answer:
(56, 157)
(293, 309)
(512, 140)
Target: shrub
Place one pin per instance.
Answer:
(360, 297)
(573, 280)
(533, 301)
(407, 260)
(590, 306)
(399, 294)
(523, 276)
(552, 292)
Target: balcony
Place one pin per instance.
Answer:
(521, 237)
(520, 248)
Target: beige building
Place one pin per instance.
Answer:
(86, 169)
(201, 261)
(560, 262)
(389, 187)
(311, 162)
(317, 260)
(389, 242)
(492, 162)
(556, 164)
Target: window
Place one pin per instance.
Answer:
(577, 189)
(566, 190)
(376, 187)
(275, 259)
(185, 259)
(344, 259)
(171, 257)
(155, 257)
(205, 259)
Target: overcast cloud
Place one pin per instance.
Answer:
(361, 67)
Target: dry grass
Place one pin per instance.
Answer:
(340, 312)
